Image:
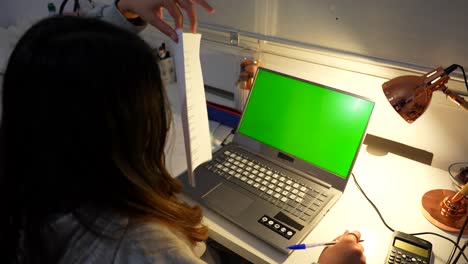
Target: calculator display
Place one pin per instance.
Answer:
(411, 248)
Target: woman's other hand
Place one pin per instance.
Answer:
(348, 250)
(151, 11)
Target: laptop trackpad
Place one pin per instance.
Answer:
(228, 200)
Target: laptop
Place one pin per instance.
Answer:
(289, 161)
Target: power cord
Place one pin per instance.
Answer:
(452, 67)
(76, 6)
(464, 75)
(461, 252)
(456, 246)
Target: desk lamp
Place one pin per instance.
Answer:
(410, 96)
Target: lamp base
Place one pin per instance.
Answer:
(431, 209)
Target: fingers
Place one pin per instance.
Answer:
(356, 248)
(189, 8)
(345, 251)
(205, 5)
(174, 11)
(356, 234)
(155, 19)
(151, 12)
(159, 13)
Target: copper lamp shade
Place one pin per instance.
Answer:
(410, 95)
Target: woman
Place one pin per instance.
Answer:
(84, 126)
(85, 121)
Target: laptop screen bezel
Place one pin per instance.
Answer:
(296, 164)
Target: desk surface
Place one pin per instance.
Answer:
(395, 184)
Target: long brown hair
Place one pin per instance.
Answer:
(85, 119)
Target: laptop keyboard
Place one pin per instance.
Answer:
(297, 198)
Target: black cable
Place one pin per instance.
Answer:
(373, 205)
(76, 7)
(441, 236)
(464, 75)
(461, 253)
(414, 234)
(62, 6)
(462, 229)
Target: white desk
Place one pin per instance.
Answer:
(395, 184)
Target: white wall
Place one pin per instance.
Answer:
(419, 33)
(17, 12)
(22, 11)
(5, 13)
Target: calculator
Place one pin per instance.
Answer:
(407, 248)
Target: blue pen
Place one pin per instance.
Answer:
(304, 246)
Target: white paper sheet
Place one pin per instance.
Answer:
(192, 98)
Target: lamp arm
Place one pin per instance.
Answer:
(460, 195)
(456, 98)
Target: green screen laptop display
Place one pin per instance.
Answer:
(314, 123)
